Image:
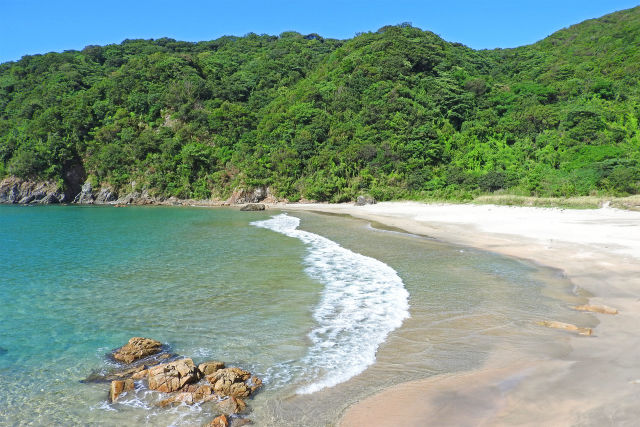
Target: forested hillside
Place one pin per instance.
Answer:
(394, 113)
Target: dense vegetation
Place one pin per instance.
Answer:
(395, 113)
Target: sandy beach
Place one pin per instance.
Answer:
(597, 383)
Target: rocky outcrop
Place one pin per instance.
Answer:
(173, 376)
(365, 200)
(118, 387)
(231, 382)
(241, 196)
(137, 198)
(89, 196)
(85, 196)
(137, 348)
(18, 191)
(252, 207)
(180, 379)
(260, 194)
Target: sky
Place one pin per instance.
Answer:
(40, 26)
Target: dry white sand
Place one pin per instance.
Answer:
(598, 383)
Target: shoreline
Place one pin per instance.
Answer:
(597, 383)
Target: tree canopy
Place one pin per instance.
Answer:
(394, 113)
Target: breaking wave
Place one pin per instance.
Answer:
(363, 300)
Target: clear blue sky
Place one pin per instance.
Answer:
(40, 26)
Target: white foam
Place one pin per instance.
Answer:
(362, 302)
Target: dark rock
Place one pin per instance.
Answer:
(137, 198)
(27, 199)
(74, 177)
(14, 195)
(365, 200)
(85, 196)
(137, 348)
(3, 351)
(50, 199)
(16, 190)
(173, 376)
(241, 196)
(105, 195)
(39, 195)
(253, 207)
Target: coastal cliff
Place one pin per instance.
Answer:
(15, 190)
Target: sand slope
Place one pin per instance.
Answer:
(598, 383)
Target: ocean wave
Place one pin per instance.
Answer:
(363, 300)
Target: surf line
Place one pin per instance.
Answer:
(363, 300)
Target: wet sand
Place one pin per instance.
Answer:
(596, 383)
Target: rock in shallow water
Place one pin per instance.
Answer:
(566, 326)
(173, 376)
(136, 349)
(232, 405)
(118, 387)
(230, 382)
(596, 309)
(208, 368)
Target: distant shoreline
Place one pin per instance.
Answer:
(598, 250)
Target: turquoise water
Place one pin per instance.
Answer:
(79, 281)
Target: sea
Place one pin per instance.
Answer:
(326, 309)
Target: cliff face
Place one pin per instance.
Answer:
(18, 191)
(15, 190)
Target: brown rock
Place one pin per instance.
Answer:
(220, 421)
(137, 348)
(230, 382)
(118, 387)
(203, 392)
(189, 388)
(596, 309)
(566, 327)
(208, 368)
(239, 390)
(255, 383)
(232, 405)
(140, 374)
(178, 398)
(173, 376)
